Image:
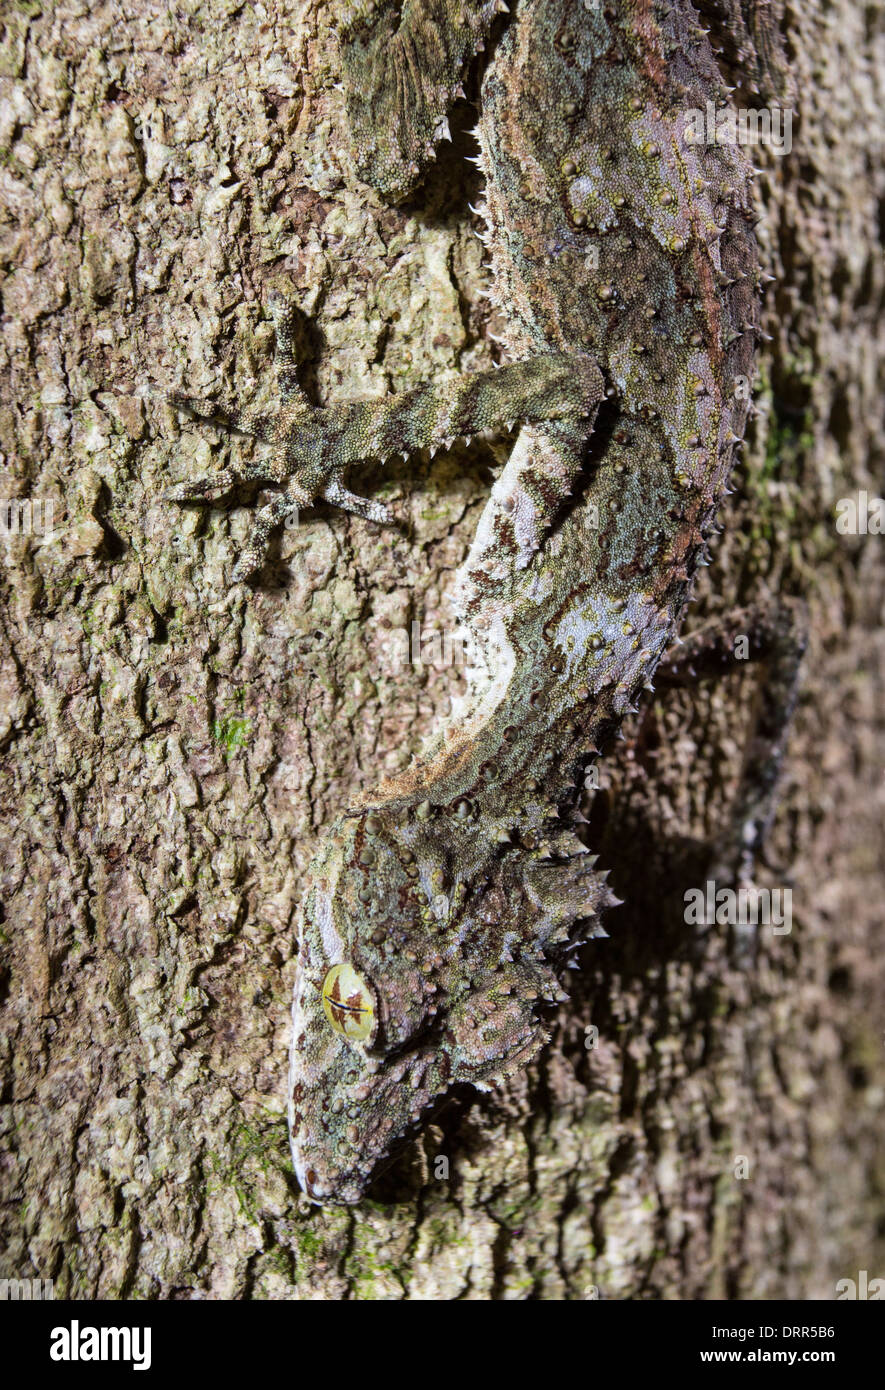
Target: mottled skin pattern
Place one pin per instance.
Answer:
(314, 446)
(458, 892)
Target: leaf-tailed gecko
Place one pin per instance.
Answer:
(440, 910)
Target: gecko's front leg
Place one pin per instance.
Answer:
(313, 448)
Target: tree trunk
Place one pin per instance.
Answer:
(170, 750)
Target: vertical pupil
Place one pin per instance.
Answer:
(348, 1003)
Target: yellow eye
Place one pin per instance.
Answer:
(348, 1003)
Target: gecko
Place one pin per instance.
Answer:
(443, 906)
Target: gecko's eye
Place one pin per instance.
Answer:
(349, 1004)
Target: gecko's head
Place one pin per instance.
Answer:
(361, 1056)
(386, 1016)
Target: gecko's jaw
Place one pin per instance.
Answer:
(325, 1186)
(341, 1137)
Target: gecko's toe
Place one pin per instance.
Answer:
(275, 513)
(194, 405)
(338, 496)
(226, 414)
(203, 489)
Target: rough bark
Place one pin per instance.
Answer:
(169, 751)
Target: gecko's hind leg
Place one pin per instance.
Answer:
(775, 635)
(403, 66)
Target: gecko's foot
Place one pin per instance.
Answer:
(269, 517)
(313, 448)
(284, 510)
(304, 458)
